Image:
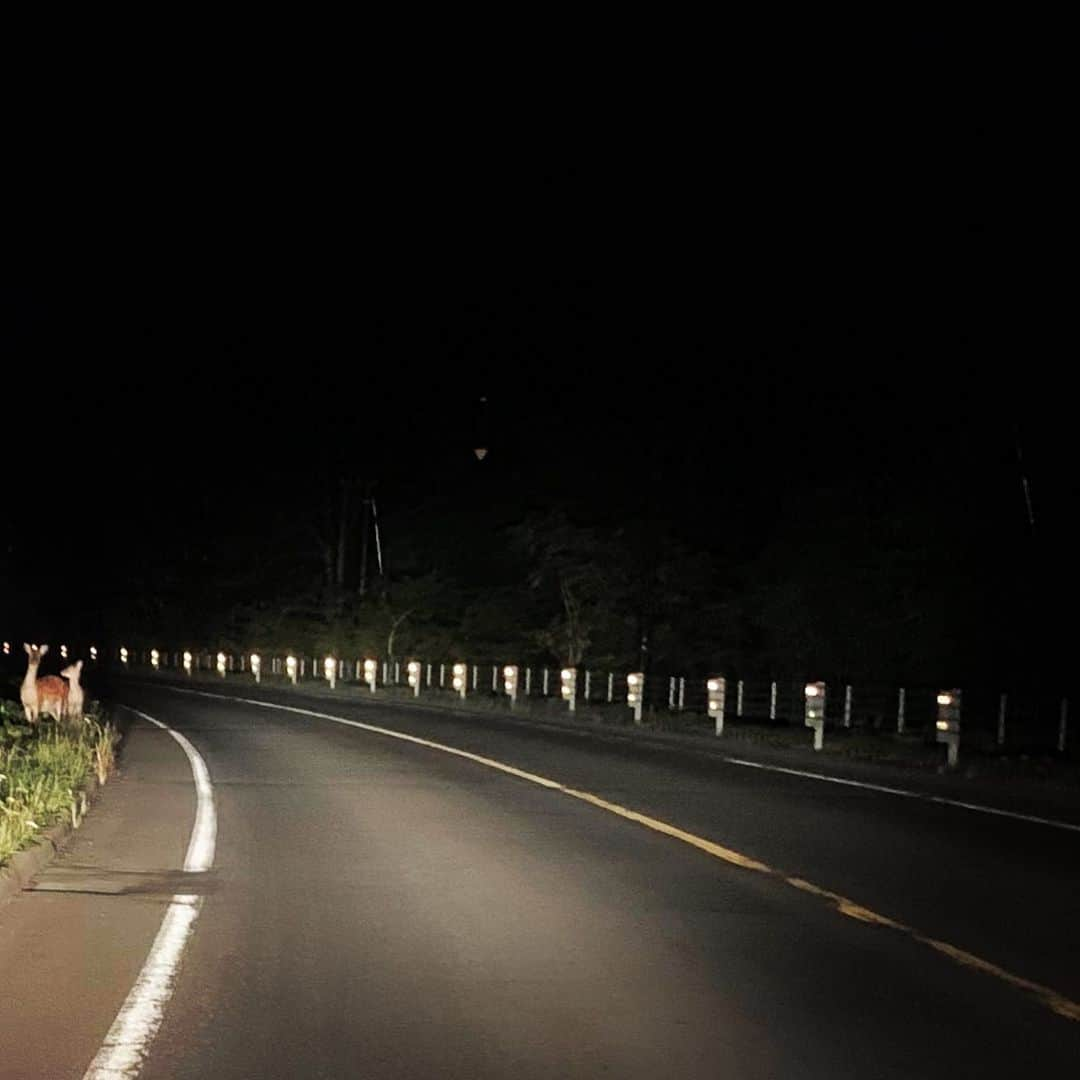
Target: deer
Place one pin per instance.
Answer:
(52, 692)
(72, 673)
(28, 692)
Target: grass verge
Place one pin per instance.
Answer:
(43, 772)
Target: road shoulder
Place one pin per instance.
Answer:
(77, 936)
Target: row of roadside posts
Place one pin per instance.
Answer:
(947, 724)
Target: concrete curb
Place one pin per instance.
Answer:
(25, 865)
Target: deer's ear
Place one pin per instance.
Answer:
(27, 648)
(44, 649)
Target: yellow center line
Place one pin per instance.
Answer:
(1058, 1003)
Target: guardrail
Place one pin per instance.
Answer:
(1002, 720)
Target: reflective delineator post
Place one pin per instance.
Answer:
(1002, 705)
(901, 701)
(717, 689)
(187, 662)
(155, 659)
(815, 712)
(330, 671)
(568, 677)
(635, 693)
(461, 679)
(510, 683)
(413, 668)
(948, 724)
(256, 667)
(772, 700)
(739, 699)
(221, 667)
(371, 672)
(847, 706)
(290, 668)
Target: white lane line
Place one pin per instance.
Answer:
(905, 793)
(128, 1042)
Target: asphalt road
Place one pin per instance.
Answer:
(378, 908)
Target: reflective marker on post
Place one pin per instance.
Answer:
(635, 693)
(461, 679)
(948, 724)
(413, 668)
(717, 688)
(815, 711)
(568, 676)
(510, 683)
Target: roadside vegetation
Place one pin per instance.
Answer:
(44, 769)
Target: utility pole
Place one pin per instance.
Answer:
(364, 540)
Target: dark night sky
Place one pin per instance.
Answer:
(703, 311)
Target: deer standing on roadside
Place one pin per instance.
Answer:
(45, 695)
(75, 691)
(28, 692)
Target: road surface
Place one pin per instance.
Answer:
(380, 908)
